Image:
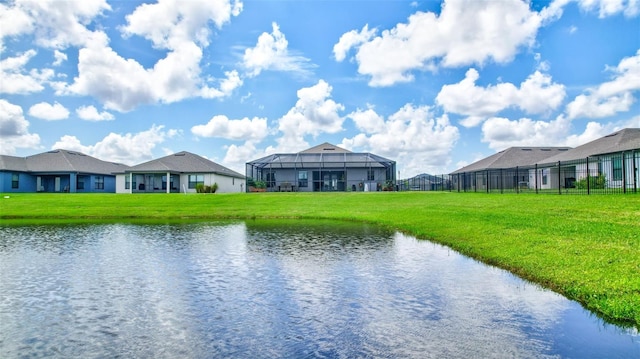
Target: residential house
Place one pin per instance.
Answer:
(425, 182)
(323, 168)
(179, 172)
(508, 169)
(615, 158)
(57, 171)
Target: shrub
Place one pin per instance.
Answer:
(214, 187)
(595, 182)
(200, 188)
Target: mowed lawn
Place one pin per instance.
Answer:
(584, 247)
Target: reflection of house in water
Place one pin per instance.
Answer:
(57, 171)
(185, 171)
(323, 168)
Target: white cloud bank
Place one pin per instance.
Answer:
(538, 94)
(14, 129)
(412, 135)
(15, 79)
(314, 113)
(464, 33)
(182, 29)
(612, 97)
(129, 148)
(254, 129)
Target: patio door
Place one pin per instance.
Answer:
(57, 184)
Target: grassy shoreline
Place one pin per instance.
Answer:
(584, 247)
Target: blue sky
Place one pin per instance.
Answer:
(433, 85)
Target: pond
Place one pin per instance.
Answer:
(259, 289)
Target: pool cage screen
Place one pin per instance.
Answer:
(321, 172)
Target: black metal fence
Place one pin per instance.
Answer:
(618, 173)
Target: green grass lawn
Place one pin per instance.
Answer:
(584, 247)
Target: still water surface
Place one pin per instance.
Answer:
(275, 290)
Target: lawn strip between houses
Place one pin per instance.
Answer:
(584, 247)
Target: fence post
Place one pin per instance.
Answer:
(635, 173)
(559, 180)
(624, 173)
(588, 179)
(536, 179)
(488, 181)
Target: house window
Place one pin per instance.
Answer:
(544, 178)
(303, 179)
(99, 182)
(195, 180)
(371, 174)
(15, 180)
(616, 166)
(80, 182)
(127, 183)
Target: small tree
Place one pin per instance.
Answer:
(214, 187)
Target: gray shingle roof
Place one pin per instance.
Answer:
(184, 162)
(624, 140)
(513, 157)
(12, 163)
(60, 161)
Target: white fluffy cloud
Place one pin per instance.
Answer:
(314, 113)
(464, 33)
(15, 21)
(90, 113)
(237, 155)
(536, 95)
(501, 133)
(14, 129)
(246, 129)
(607, 8)
(129, 148)
(412, 136)
(180, 28)
(60, 57)
(610, 97)
(46, 111)
(55, 24)
(169, 24)
(15, 79)
(123, 84)
(350, 40)
(271, 53)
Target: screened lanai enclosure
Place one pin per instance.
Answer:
(324, 168)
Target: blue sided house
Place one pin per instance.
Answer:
(58, 171)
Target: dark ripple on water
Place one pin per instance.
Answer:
(301, 289)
